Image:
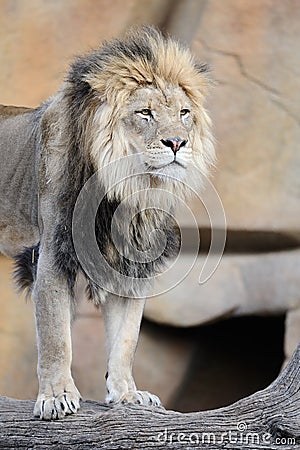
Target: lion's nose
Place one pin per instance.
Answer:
(175, 143)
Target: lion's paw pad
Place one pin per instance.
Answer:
(51, 408)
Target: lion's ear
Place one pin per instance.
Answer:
(96, 83)
(202, 68)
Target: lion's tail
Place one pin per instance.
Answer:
(25, 268)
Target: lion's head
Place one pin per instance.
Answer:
(147, 96)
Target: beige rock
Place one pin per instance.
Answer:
(242, 285)
(292, 335)
(252, 47)
(253, 50)
(39, 39)
(17, 342)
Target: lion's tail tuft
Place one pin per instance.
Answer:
(25, 268)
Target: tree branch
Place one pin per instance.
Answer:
(268, 419)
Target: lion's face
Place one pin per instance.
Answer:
(147, 96)
(169, 134)
(159, 125)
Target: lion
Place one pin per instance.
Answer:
(141, 96)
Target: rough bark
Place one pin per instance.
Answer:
(268, 419)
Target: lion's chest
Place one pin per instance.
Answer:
(135, 243)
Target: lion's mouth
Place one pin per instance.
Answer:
(175, 162)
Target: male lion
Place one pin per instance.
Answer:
(141, 96)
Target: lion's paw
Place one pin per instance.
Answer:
(58, 406)
(138, 398)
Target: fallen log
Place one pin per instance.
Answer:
(268, 419)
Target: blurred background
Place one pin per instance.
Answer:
(201, 346)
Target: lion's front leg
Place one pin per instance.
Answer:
(58, 394)
(122, 319)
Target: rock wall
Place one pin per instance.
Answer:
(252, 47)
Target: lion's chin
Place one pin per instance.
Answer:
(174, 170)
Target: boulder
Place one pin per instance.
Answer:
(253, 284)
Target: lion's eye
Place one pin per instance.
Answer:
(145, 112)
(184, 112)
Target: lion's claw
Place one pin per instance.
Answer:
(51, 408)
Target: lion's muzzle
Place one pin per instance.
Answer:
(175, 143)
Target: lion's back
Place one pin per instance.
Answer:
(9, 111)
(18, 180)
